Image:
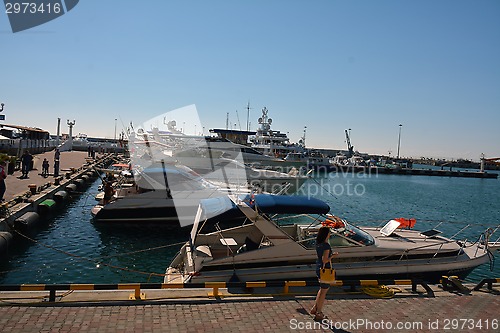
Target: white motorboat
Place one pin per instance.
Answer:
(262, 180)
(313, 160)
(262, 250)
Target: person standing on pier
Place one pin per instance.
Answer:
(57, 154)
(325, 254)
(26, 164)
(45, 167)
(3, 175)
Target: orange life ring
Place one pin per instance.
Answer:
(333, 222)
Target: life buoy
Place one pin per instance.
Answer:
(333, 222)
(406, 223)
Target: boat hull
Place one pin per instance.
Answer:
(430, 273)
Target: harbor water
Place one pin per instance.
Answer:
(70, 248)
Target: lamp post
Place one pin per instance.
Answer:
(2, 117)
(70, 139)
(58, 131)
(399, 138)
(115, 129)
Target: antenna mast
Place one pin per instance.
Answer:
(248, 116)
(304, 137)
(238, 117)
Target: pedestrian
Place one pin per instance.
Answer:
(324, 252)
(26, 164)
(56, 162)
(45, 167)
(3, 175)
(89, 151)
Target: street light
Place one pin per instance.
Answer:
(2, 117)
(399, 138)
(115, 128)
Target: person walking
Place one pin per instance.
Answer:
(26, 164)
(3, 175)
(325, 254)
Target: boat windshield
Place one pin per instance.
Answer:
(354, 233)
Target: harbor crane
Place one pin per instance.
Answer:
(350, 148)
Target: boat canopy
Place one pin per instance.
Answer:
(224, 208)
(267, 204)
(281, 204)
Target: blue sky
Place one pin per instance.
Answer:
(432, 66)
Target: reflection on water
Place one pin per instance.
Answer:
(70, 248)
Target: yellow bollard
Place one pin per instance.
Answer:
(214, 293)
(137, 295)
(215, 288)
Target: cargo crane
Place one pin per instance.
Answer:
(350, 148)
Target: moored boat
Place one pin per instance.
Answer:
(264, 250)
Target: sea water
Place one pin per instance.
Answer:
(71, 248)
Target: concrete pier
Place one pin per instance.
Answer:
(194, 311)
(25, 194)
(408, 171)
(16, 185)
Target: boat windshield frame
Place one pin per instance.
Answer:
(354, 234)
(351, 233)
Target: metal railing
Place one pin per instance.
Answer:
(215, 286)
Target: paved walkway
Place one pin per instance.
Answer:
(479, 312)
(15, 185)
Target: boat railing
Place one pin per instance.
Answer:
(464, 228)
(481, 238)
(284, 188)
(491, 232)
(437, 252)
(462, 246)
(406, 251)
